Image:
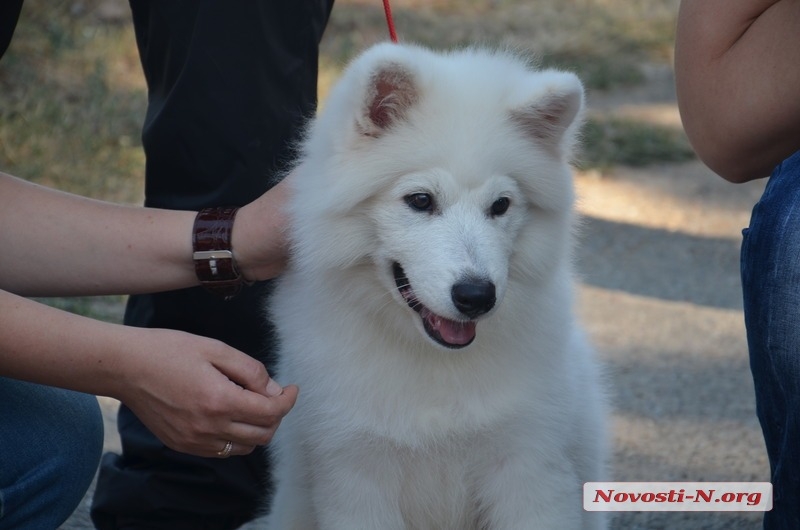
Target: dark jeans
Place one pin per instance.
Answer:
(771, 285)
(50, 443)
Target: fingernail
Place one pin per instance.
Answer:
(273, 388)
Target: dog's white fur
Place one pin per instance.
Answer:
(393, 430)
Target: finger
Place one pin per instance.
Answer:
(245, 434)
(255, 427)
(243, 370)
(290, 393)
(273, 388)
(242, 449)
(227, 449)
(255, 409)
(235, 449)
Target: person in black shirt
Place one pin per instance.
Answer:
(230, 85)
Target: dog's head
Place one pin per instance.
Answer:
(448, 174)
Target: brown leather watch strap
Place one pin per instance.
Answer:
(214, 262)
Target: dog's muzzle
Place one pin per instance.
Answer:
(472, 298)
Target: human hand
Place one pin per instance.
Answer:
(196, 394)
(259, 239)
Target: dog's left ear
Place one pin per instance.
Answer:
(391, 92)
(548, 115)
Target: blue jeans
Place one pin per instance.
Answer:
(770, 264)
(50, 444)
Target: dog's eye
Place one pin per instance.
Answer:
(422, 202)
(500, 206)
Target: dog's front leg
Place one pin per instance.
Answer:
(517, 493)
(525, 476)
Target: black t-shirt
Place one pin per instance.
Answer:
(230, 86)
(9, 14)
(228, 89)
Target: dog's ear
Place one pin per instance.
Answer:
(391, 92)
(547, 116)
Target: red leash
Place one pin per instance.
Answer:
(389, 20)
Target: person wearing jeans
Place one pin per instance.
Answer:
(770, 265)
(737, 69)
(44, 481)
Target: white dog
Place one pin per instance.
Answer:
(427, 314)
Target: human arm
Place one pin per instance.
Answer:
(737, 70)
(58, 244)
(194, 393)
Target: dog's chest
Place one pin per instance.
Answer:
(437, 491)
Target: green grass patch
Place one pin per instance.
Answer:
(72, 103)
(614, 141)
(598, 72)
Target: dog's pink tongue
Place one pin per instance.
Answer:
(453, 332)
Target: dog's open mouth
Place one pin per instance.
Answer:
(449, 333)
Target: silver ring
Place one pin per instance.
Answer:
(226, 452)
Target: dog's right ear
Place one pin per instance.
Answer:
(391, 92)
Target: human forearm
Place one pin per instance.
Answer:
(737, 81)
(194, 393)
(48, 346)
(57, 244)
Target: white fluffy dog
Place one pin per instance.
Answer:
(427, 314)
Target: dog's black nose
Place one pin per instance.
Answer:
(474, 297)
